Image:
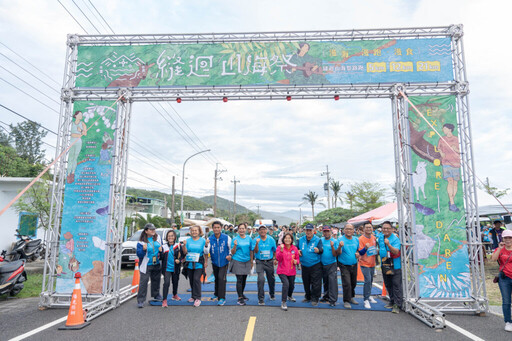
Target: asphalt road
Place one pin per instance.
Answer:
(18, 316)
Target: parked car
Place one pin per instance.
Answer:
(129, 247)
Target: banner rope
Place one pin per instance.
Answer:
(435, 130)
(50, 165)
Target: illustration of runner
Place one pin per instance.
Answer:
(448, 147)
(78, 129)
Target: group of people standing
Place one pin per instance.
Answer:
(319, 258)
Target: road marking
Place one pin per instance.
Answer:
(463, 331)
(250, 328)
(40, 329)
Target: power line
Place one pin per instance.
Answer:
(152, 153)
(131, 170)
(11, 129)
(86, 17)
(35, 67)
(39, 79)
(14, 86)
(28, 119)
(102, 17)
(95, 17)
(73, 17)
(33, 87)
(149, 163)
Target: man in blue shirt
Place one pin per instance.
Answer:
(329, 267)
(347, 262)
(389, 245)
(220, 255)
(264, 248)
(310, 251)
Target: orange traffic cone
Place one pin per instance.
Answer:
(136, 277)
(76, 313)
(384, 291)
(360, 277)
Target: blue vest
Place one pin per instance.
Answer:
(309, 257)
(219, 250)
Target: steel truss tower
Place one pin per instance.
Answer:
(430, 311)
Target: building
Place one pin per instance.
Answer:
(196, 215)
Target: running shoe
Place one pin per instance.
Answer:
(261, 302)
(221, 301)
(314, 303)
(284, 306)
(508, 327)
(333, 304)
(388, 306)
(353, 301)
(306, 300)
(367, 304)
(214, 298)
(164, 304)
(197, 303)
(158, 297)
(190, 300)
(395, 310)
(241, 302)
(272, 298)
(140, 304)
(176, 298)
(372, 300)
(246, 298)
(292, 299)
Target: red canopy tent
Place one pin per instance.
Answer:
(378, 215)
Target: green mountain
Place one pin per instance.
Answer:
(224, 204)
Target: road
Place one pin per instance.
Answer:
(18, 316)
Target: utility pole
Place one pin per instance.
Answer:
(258, 206)
(234, 181)
(217, 173)
(172, 202)
(165, 207)
(326, 173)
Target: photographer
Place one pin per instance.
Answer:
(503, 254)
(389, 245)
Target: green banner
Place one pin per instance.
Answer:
(441, 238)
(262, 63)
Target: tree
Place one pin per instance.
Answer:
(334, 215)
(336, 188)
(350, 198)
(491, 190)
(367, 195)
(28, 139)
(158, 221)
(37, 200)
(12, 165)
(4, 138)
(311, 197)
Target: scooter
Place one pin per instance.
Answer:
(12, 276)
(26, 248)
(3, 256)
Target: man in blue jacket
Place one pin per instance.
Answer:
(220, 256)
(389, 247)
(310, 250)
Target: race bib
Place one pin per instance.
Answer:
(192, 257)
(265, 254)
(372, 251)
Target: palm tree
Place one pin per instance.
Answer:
(311, 198)
(350, 197)
(336, 188)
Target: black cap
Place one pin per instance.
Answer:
(149, 226)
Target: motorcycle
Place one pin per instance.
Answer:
(12, 276)
(26, 248)
(3, 256)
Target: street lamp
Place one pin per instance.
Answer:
(183, 181)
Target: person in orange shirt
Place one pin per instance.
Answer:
(368, 252)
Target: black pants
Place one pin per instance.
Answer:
(394, 286)
(240, 285)
(175, 276)
(194, 278)
(265, 268)
(348, 281)
(220, 280)
(288, 286)
(330, 278)
(312, 279)
(153, 272)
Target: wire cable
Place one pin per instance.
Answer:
(131, 170)
(29, 95)
(28, 119)
(73, 17)
(102, 17)
(86, 17)
(95, 17)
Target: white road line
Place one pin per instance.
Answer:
(463, 331)
(40, 329)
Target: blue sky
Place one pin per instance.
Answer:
(276, 149)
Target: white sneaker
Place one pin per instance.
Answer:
(372, 300)
(367, 305)
(508, 326)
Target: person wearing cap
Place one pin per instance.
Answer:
(241, 261)
(496, 234)
(329, 267)
(264, 250)
(148, 249)
(503, 254)
(347, 262)
(310, 251)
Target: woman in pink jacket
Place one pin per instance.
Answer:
(288, 258)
